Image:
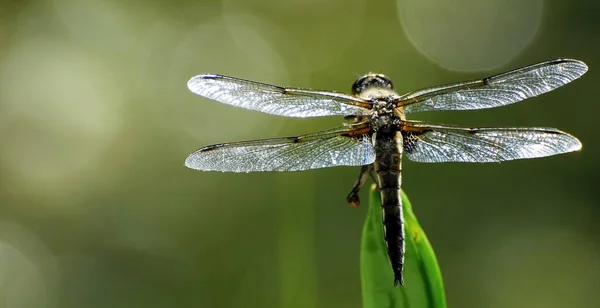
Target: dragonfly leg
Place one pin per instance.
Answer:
(353, 198)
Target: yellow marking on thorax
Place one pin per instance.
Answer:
(399, 112)
(375, 92)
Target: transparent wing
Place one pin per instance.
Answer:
(436, 144)
(496, 91)
(319, 150)
(288, 102)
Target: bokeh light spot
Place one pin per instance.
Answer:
(246, 53)
(59, 112)
(470, 35)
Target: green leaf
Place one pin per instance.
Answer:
(423, 285)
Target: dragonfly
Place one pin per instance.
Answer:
(376, 133)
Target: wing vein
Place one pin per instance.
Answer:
(495, 91)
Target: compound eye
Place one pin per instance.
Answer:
(389, 84)
(385, 81)
(359, 85)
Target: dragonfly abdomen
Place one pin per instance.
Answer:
(393, 227)
(388, 149)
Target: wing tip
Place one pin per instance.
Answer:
(577, 66)
(194, 82)
(194, 160)
(576, 146)
(572, 143)
(188, 163)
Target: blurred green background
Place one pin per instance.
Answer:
(97, 209)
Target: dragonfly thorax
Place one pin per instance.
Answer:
(383, 114)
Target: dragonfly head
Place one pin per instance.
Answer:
(371, 80)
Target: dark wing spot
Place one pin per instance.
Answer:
(212, 147)
(410, 136)
(553, 131)
(295, 139)
(410, 141)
